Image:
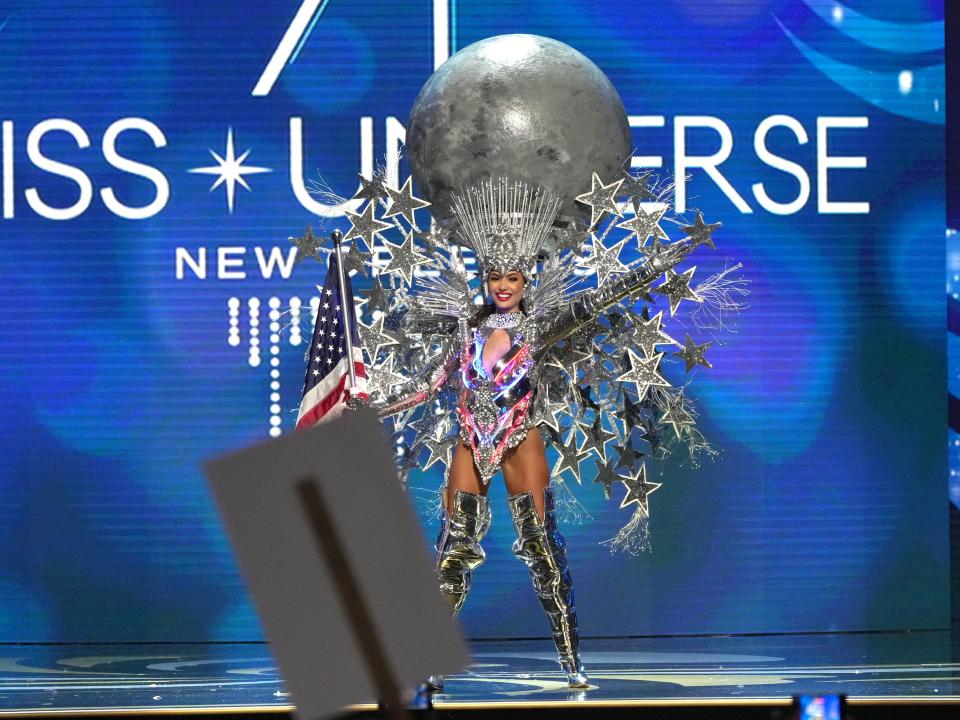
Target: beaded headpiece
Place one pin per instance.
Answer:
(505, 223)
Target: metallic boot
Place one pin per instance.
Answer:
(543, 549)
(459, 552)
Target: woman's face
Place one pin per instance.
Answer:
(506, 290)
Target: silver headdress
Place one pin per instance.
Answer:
(505, 223)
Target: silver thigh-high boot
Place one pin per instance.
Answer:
(540, 545)
(459, 552)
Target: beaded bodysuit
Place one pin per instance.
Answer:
(494, 407)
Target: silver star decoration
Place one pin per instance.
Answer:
(645, 225)
(366, 226)
(586, 401)
(654, 248)
(435, 237)
(430, 425)
(606, 476)
(647, 334)
(570, 456)
(230, 170)
(569, 358)
(676, 286)
(383, 377)
(375, 338)
(377, 296)
(440, 451)
(631, 415)
(638, 489)
(700, 233)
(357, 259)
(308, 246)
(694, 354)
(627, 456)
(636, 187)
(404, 258)
(651, 435)
(601, 198)
(605, 261)
(676, 414)
(596, 437)
(372, 190)
(549, 411)
(643, 373)
(402, 202)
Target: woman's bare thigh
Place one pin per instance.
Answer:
(463, 476)
(525, 468)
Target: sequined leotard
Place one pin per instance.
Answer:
(494, 407)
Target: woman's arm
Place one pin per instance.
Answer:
(420, 389)
(587, 307)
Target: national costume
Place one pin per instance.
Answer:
(587, 350)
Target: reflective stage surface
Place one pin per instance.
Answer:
(913, 665)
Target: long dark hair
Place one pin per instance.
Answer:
(487, 310)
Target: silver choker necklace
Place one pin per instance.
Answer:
(503, 320)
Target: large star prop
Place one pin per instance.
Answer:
(366, 226)
(606, 261)
(373, 190)
(601, 198)
(230, 170)
(375, 338)
(677, 288)
(693, 354)
(645, 225)
(402, 202)
(677, 415)
(700, 233)
(404, 258)
(643, 373)
(308, 246)
(597, 437)
(638, 489)
(647, 334)
(570, 456)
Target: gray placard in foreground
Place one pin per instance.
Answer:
(289, 578)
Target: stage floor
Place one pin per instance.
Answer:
(715, 669)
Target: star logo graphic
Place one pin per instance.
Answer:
(230, 170)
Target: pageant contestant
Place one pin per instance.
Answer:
(550, 336)
(496, 358)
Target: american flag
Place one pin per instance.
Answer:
(327, 385)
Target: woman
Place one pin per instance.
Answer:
(495, 359)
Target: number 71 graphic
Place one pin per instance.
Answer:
(298, 32)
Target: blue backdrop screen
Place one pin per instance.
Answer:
(139, 289)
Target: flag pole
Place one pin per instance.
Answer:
(348, 313)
